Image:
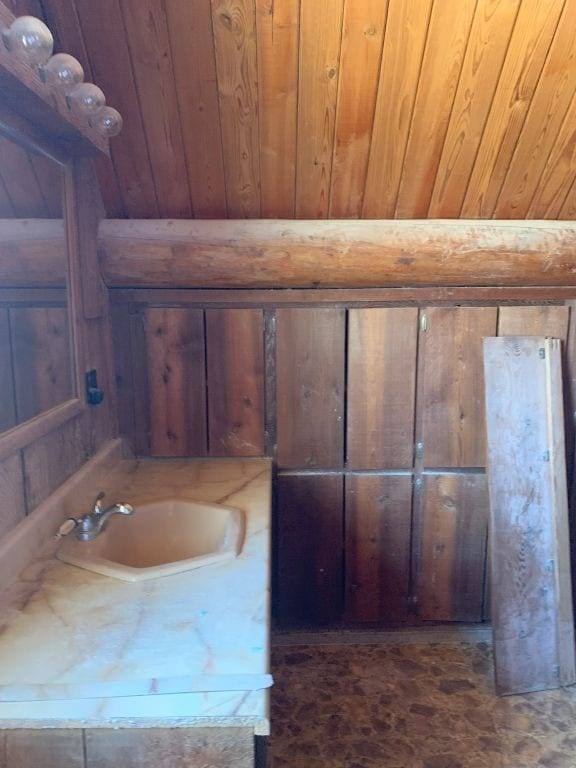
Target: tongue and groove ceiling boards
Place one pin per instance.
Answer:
(332, 108)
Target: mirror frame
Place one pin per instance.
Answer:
(37, 119)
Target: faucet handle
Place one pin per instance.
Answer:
(98, 503)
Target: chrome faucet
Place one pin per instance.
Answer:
(90, 525)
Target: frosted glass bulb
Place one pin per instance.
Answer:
(108, 121)
(87, 98)
(30, 39)
(63, 72)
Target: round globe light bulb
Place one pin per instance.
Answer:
(30, 39)
(108, 121)
(63, 72)
(87, 99)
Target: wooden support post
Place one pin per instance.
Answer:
(530, 558)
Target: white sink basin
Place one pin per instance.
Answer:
(159, 539)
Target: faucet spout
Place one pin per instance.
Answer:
(90, 525)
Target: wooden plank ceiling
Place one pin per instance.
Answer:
(332, 108)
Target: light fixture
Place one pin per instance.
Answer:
(87, 99)
(29, 39)
(107, 121)
(63, 71)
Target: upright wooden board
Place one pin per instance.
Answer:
(310, 548)
(310, 387)
(169, 748)
(12, 501)
(531, 595)
(7, 399)
(453, 390)
(44, 747)
(277, 25)
(42, 359)
(235, 355)
(378, 516)
(534, 321)
(177, 381)
(381, 387)
(234, 25)
(453, 555)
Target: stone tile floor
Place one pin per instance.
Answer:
(410, 706)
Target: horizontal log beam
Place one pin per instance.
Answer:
(336, 254)
(32, 253)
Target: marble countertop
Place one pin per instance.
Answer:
(78, 649)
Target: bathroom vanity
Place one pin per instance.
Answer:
(174, 670)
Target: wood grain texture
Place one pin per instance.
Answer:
(319, 65)
(41, 358)
(381, 388)
(531, 597)
(107, 47)
(235, 356)
(453, 396)
(192, 44)
(7, 394)
(488, 42)
(12, 500)
(378, 516)
(277, 24)
(165, 748)
(46, 748)
(453, 555)
(316, 254)
(310, 547)
(147, 35)
(441, 64)
(534, 321)
(177, 381)
(234, 24)
(406, 29)
(552, 97)
(17, 173)
(310, 387)
(533, 32)
(363, 29)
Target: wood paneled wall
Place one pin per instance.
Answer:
(332, 108)
(375, 417)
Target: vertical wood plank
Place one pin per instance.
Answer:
(177, 380)
(170, 748)
(529, 44)
(552, 97)
(454, 531)
(20, 181)
(277, 24)
(42, 359)
(192, 43)
(381, 387)
(235, 355)
(406, 28)
(310, 546)
(103, 31)
(487, 46)
(378, 528)
(443, 56)
(46, 748)
(531, 596)
(362, 39)
(453, 396)
(147, 35)
(310, 387)
(534, 321)
(234, 26)
(123, 368)
(320, 34)
(12, 501)
(7, 395)
(140, 380)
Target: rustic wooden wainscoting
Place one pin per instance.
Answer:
(374, 414)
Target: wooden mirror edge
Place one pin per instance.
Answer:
(24, 434)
